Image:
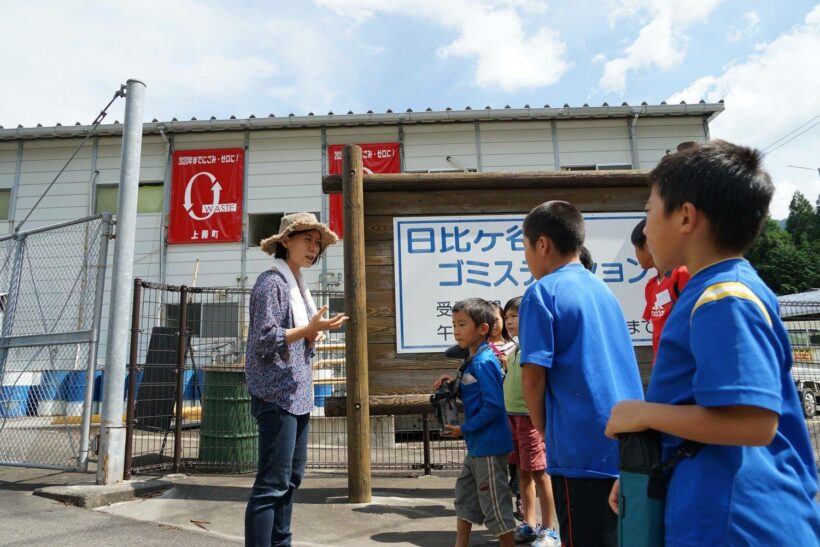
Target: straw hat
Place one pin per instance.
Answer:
(298, 222)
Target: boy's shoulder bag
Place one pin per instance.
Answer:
(644, 479)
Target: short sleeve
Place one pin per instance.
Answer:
(649, 296)
(536, 331)
(737, 356)
(680, 277)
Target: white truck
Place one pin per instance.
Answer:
(805, 340)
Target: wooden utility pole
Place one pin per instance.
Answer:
(358, 391)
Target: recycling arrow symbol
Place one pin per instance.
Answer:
(215, 188)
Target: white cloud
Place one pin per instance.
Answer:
(767, 95)
(751, 20)
(661, 42)
(493, 33)
(194, 57)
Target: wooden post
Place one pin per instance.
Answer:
(358, 391)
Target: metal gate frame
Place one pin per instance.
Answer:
(51, 341)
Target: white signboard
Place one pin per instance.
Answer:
(441, 260)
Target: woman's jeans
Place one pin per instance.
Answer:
(282, 458)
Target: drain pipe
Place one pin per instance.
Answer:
(633, 141)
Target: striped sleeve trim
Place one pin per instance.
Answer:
(719, 291)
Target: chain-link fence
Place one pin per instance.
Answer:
(192, 389)
(802, 320)
(52, 282)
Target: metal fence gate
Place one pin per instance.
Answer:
(189, 408)
(52, 281)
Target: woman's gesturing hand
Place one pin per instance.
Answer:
(318, 323)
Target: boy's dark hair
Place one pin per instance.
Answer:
(586, 258)
(638, 237)
(478, 309)
(560, 221)
(724, 181)
(282, 252)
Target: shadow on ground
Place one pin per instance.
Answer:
(416, 512)
(433, 539)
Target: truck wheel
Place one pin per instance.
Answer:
(808, 403)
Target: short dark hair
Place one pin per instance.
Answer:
(638, 237)
(478, 309)
(560, 221)
(282, 252)
(586, 258)
(725, 182)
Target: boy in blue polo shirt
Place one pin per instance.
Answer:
(722, 376)
(482, 492)
(577, 361)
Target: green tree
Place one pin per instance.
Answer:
(803, 220)
(785, 267)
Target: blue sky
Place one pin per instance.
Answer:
(203, 58)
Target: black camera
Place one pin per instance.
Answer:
(445, 406)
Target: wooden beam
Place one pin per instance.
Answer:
(358, 408)
(384, 405)
(404, 182)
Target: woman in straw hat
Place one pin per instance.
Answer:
(284, 326)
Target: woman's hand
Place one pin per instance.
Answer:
(318, 323)
(613, 496)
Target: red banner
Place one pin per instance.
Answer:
(206, 196)
(376, 158)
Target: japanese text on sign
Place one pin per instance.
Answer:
(441, 260)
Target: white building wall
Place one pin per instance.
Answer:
(593, 142)
(657, 135)
(516, 146)
(426, 147)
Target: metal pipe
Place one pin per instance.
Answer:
(93, 346)
(132, 379)
(112, 430)
(15, 185)
(182, 339)
(556, 159)
(11, 298)
(425, 439)
(633, 141)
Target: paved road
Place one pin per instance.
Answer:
(30, 520)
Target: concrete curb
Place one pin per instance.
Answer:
(93, 495)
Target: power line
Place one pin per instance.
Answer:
(95, 124)
(784, 143)
(777, 144)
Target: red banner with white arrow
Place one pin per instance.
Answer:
(206, 196)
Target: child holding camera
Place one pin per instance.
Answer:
(482, 493)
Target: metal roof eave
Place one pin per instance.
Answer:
(706, 110)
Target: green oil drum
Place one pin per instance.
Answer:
(228, 436)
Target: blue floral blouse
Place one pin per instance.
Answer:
(276, 371)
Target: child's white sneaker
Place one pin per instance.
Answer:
(547, 537)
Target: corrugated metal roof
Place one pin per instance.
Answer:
(803, 303)
(370, 118)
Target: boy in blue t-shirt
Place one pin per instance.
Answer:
(577, 362)
(482, 492)
(722, 374)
